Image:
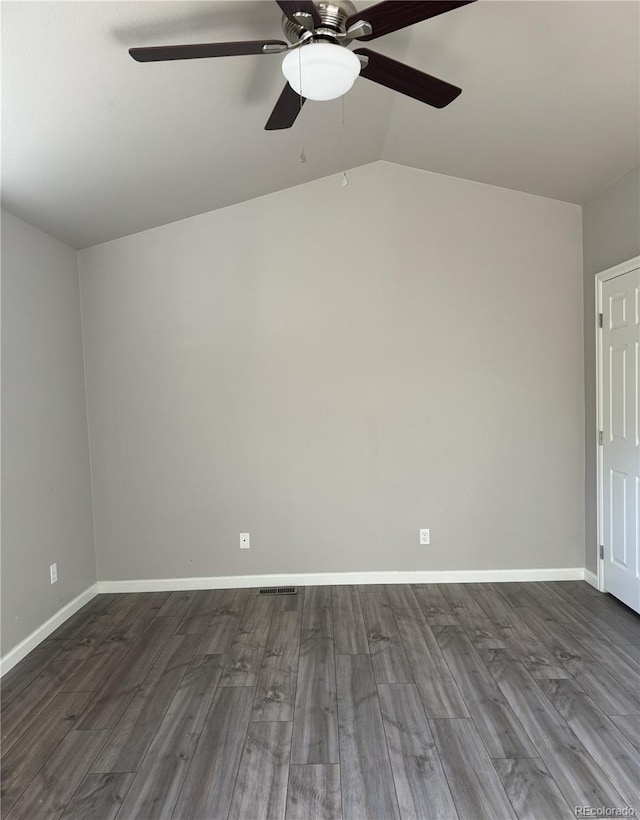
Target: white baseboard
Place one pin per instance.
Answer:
(340, 578)
(295, 579)
(22, 649)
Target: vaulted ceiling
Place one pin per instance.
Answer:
(96, 146)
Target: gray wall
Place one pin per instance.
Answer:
(332, 368)
(46, 498)
(611, 234)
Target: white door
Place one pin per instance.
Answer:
(621, 436)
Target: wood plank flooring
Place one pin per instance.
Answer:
(424, 702)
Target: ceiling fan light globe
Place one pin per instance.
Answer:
(327, 71)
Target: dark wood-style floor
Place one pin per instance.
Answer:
(451, 701)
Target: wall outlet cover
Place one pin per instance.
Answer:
(53, 573)
(425, 536)
(245, 542)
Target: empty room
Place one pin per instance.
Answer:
(320, 457)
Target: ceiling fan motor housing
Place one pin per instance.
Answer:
(331, 29)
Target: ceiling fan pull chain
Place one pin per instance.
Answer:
(303, 157)
(345, 178)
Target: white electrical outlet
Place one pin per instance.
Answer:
(425, 537)
(245, 543)
(53, 573)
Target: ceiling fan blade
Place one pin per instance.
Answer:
(304, 7)
(407, 80)
(393, 15)
(197, 51)
(286, 110)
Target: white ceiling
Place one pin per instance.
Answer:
(95, 145)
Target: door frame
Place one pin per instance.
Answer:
(603, 276)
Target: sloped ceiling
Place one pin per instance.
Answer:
(96, 146)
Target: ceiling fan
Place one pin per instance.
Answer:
(318, 65)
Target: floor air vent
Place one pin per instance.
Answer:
(278, 591)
